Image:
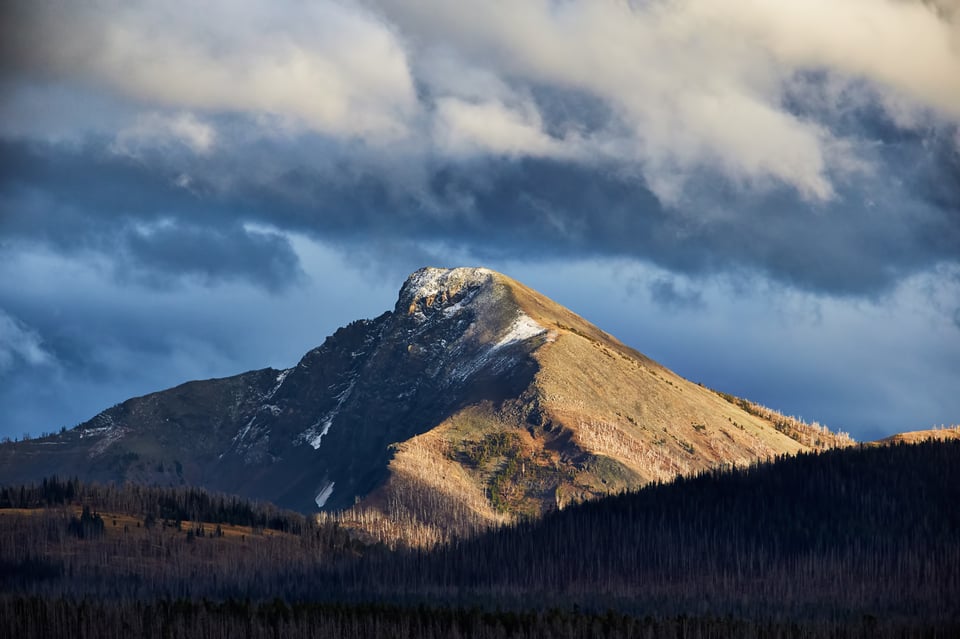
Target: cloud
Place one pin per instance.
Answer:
(682, 96)
(687, 86)
(159, 129)
(491, 128)
(667, 293)
(149, 225)
(20, 345)
(909, 46)
(182, 215)
(156, 253)
(333, 68)
(697, 84)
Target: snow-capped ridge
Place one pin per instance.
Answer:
(431, 287)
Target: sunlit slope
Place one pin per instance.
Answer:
(595, 417)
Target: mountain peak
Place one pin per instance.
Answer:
(431, 287)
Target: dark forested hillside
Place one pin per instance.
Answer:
(836, 535)
(855, 542)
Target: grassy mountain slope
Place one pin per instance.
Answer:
(596, 417)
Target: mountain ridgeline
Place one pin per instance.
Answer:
(474, 402)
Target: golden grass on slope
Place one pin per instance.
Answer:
(562, 320)
(942, 433)
(598, 404)
(813, 435)
(646, 416)
(431, 495)
(597, 418)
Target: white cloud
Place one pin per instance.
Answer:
(465, 128)
(20, 344)
(701, 83)
(689, 85)
(160, 129)
(688, 96)
(328, 66)
(907, 46)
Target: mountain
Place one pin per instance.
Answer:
(476, 400)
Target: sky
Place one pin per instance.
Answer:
(762, 195)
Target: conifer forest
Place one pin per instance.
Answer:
(856, 542)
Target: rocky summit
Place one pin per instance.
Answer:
(475, 401)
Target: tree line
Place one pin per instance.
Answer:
(178, 503)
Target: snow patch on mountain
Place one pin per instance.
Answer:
(95, 432)
(453, 309)
(429, 282)
(314, 437)
(497, 356)
(324, 494)
(105, 430)
(111, 436)
(103, 424)
(242, 433)
(314, 434)
(280, 379)
(522, 328)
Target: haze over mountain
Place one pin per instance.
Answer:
(475, 400)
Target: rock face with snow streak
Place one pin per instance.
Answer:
(475, 399)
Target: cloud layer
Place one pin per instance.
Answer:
(804, 145)
(684, 86)
(681, 132)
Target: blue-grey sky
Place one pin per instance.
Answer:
(763, 195)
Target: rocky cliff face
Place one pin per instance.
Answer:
(474, 401)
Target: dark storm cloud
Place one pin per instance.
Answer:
(154, 227)
(265, 259)
(156, 221)
(801, 158)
